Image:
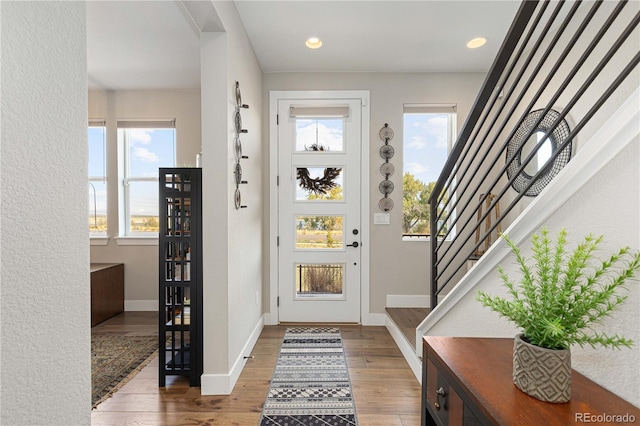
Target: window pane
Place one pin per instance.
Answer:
(97, 181)
(317, 280)
(98, 207)
(97, 142)
(318, 183)
(319, 232)
(143, 199)
(319, 134)
(150, 149)
(426, 147)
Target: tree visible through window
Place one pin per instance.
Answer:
(428, 133)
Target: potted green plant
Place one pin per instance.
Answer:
(559, 297)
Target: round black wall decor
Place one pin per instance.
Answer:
(528, 147)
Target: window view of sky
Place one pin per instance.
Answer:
(149, 149)
(327, 132)
(425, 145)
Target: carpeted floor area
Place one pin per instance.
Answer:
(115, 360)
(310, 383)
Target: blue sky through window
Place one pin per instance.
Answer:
(425, 145)
(150, 149)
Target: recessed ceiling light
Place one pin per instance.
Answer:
(476, 42)
(313, 43)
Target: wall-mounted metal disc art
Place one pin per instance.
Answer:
(387, 169)
(237, 148)
(531, 149)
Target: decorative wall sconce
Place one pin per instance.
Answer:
(237, 147)
(387, 169)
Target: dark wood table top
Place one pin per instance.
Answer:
(484, 367)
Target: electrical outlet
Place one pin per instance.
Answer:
(257, 297)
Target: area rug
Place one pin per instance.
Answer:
(115, 360)
(310, 384)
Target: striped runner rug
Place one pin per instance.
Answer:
(310, 384)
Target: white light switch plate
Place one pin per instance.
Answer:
(381, 218)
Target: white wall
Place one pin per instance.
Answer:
(46, 351)
(141, 262)
(232, 251)
(397, 267)
(597, 192)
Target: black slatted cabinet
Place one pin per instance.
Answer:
(180, 274)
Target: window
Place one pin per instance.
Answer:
(145, 146)
(97, 178)
(428, 136)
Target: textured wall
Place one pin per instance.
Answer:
(46, 371)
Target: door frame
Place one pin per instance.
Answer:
(272, 318)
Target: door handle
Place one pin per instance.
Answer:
(354, 245)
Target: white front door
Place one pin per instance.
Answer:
(319, 210)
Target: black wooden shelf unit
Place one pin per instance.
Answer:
(180, 274)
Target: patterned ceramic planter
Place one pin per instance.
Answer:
(542, 373)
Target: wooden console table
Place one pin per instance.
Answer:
(107, 291)
(468, 381)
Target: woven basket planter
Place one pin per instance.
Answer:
(542, 373)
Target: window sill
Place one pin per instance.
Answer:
(416, 239)
(136, 241)
(99, 240)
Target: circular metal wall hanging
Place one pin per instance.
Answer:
(386, 152)
(387, 169)
(386, 204)
(530, 148)
(238, 174)
(238, 122)
(238, 95)
(386, 187)
(386, 133)
(238, 199)
(237, 147)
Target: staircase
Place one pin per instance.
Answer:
(552, 140)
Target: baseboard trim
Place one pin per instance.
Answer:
(408, 301)
(223, 384)
(407, 350)
(140, 305)
(374, 319)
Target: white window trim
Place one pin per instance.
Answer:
(96, 238)
(136, 240)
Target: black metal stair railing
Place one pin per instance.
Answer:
(559, 74)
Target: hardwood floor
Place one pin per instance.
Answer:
(385, 390)
(407, 319)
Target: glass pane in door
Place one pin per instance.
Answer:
(319, 134)
(319, 232)
(319, 280)
(318, 183)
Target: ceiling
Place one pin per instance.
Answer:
(155, 44)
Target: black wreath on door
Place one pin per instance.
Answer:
(319, 185)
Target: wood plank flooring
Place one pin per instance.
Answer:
(385, 390)
(407, 319)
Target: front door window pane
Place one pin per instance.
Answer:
(319, 134)
(319, 232)
(319, 280)
(318, 183)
